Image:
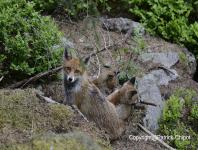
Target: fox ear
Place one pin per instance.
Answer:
(132, 80)
(66, 55)
(86, 60)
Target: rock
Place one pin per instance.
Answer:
(162, 77)
(166, 59)
(149, 92)
(122, 25)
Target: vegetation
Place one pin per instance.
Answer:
(45, 5)
(26, 40)
(69, 141)
(160, 17)
(180, 118)
(169, 19)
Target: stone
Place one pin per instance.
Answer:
(167, 59)
(148, 90)
(122, 25)
(163, 77)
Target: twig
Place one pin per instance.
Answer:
(153, 47)
(47, 99)
(99, 66)
(25, 82)
(1, 78)
(51, 101)
(113, 45)
(77, 110)
(148, 103)
(155, 137)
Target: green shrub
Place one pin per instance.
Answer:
(26, 40)
(169, 19)
(45, 5)
(78, 7)
(180, 118)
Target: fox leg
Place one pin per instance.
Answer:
(114, 97)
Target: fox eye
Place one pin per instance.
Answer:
(132, 93)
(77, 71)
(110, 76)
(68, 68)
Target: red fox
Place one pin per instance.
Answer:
(80, 91)
(122, 97)
(107, 80)
(127, 94)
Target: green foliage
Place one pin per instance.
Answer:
(169, 19)
(78, 7)
(45, 5)
(129, 68)
(172, 110)
(26, 40)
(180, 118)
(183, 58)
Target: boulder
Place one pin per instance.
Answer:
(122, 25)
(148, 90)
(166, 59)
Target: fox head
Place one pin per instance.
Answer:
(110, 77)
(131, 94)
(73, 68)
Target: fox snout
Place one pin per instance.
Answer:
(70, 79)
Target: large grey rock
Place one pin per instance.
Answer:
(122, 25)
(148, 90)
(166, 59)
(163, 76)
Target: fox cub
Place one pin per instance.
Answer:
(122, 97)
(83, 93)
(107, 80)
(127, 94)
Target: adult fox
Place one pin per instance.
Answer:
(80, 91)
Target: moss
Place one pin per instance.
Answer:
(69, 141)
(23, 115)
(26, 123)
(183, 59)
(104, 144)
